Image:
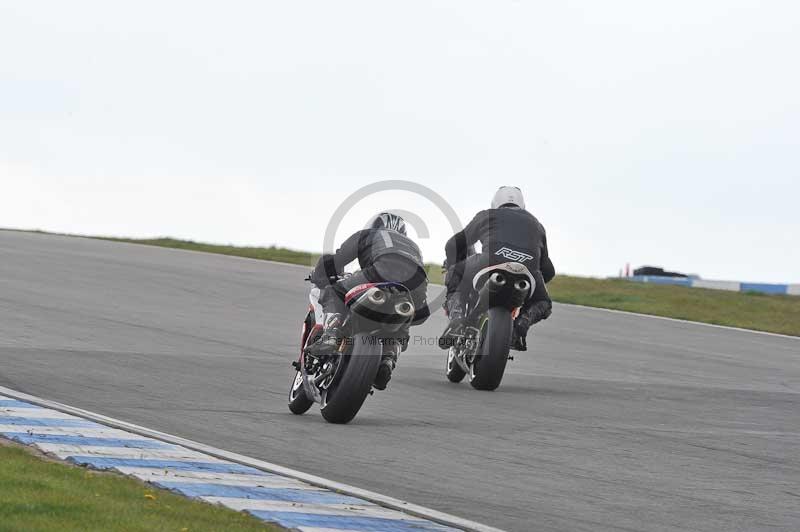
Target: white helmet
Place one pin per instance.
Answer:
(508, 196)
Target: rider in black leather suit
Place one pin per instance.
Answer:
(507, 232)
(384, 253)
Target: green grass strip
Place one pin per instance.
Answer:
(747, 310)
(38, 495)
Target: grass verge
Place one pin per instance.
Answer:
(762, 312)
(747, 310)
(40, 495)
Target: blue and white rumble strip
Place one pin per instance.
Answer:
(275, 498)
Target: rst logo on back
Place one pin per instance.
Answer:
(516, 256)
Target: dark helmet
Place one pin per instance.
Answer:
(392, 222)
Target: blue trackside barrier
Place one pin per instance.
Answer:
(735, 286)
(765, 288)
(657, 279)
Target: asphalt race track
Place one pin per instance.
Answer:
(610, 422)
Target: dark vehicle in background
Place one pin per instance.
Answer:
(656, 271)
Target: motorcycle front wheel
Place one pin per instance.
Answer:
(454, 371)
(299, 402)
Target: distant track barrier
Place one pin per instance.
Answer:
(733, 286)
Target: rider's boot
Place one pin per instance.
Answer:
(331, 335)
(529, 315)
(519, 336)
(388, 362)
(456, 308)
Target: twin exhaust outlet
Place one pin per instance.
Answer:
(376, 297)
(498, 281)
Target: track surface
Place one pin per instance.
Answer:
(611, 422)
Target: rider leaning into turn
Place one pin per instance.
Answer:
(384, 253)
(507, 232)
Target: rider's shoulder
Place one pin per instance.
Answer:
(516, 212)
(485, 213)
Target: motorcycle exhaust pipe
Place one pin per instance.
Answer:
(496, 282)
(521, 290)
(376, 296)
(373, 299)
(493, 285)
(404, 309)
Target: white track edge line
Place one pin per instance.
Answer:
(382, 500)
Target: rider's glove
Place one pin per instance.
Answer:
(539, 311)
(521, 325)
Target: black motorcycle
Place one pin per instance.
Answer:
(480, 347)
(379, 313)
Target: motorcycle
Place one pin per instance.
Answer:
(378, 313)
(480, 348)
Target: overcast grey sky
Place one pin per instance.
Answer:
(663, 133)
